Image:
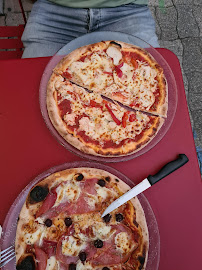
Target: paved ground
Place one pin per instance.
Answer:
(179, 28)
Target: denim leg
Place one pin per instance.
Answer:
(52, 26)
(130, 19)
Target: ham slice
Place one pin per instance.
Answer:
(41, 258)
(47, 204)
(49, 247)
(110, 254)
(81, 206)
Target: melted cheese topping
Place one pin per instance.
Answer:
(102, 231)
(51, 263)
(71, 246)
(31, 238)
(102, 194)
(67, 191)
(86, 266)
(94, 71)
(122, 242)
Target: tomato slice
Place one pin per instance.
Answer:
(124, 119)
(116, 120)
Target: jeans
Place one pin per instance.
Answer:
(52, 26)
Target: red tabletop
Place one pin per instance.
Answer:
(27, 149)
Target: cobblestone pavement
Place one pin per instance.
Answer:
(179, 29)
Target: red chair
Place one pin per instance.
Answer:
(11, 46)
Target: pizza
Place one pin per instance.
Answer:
(108, 98)
(60, 224)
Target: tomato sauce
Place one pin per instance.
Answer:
(128, 55)
(157, 98)
(64, 107)
(86, 138)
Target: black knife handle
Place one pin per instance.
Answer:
(168, 168)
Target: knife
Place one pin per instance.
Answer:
(148, 182)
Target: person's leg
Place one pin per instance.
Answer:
(131, 19)
(50, 27)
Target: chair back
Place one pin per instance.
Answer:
(11, 45)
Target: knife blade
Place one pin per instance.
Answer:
(148, 182)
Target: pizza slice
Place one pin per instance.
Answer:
(94, 125)
(89, 66)
(60, 225)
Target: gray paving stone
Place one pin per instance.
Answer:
(198, 125)
(195, 101)
(1, 6)
(158, 29)
(186, 84)
(168, 23)
(155, 3)
(13, 6)
(195, 82)
(191, 119)
(192, 55)
(14, 19)
(186, 24)
(174, 46)
(182, 2)
(2, 20)
(197, 11)
(197, 2)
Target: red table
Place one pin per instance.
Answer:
(27, 149)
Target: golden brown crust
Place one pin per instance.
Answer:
(133, 211)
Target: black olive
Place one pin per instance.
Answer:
(141, 259)
(72, 266)
(39, 193)
(68, 221)
(48, 222)
(26, 264)
(107, 179)
(105, 268)
(82, 256)
(98, 243)
(79, 177)
(117, 180)
(107, 218)
(101, 182)
(115, 43)
(119, 217)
